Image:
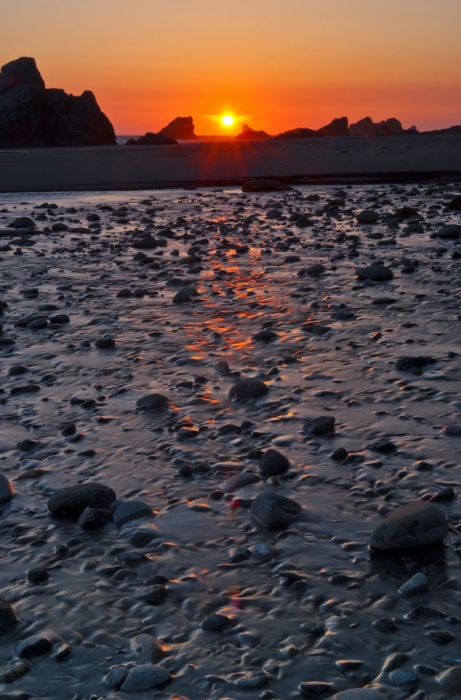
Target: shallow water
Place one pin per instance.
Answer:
(89, 602)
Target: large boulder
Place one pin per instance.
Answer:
(338, 127)
(249, 134)
(32, 115)
(181, 128)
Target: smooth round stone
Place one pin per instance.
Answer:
(32, 646)
(417, 524)
(93, 518)
(275, 511)
(450, 680)
(252, 681)
(6, 490)
(11, 672)
(152, 595)
(115, 677)
(359, 694)
(215, 622)
(8, 617)
(145, 677)
(376, 273)
(322, 425)
(403, 677)
(273, 463)
(24, 222)
(38, 574)
(419, 583)
(73, 500)
(239, 481)
(367, 216)
(248, 389)
(105, 343)
(131, 510)
(147, 648)
(153, 402)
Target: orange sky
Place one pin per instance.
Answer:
(276, 64)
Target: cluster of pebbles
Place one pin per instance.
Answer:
(230, 438)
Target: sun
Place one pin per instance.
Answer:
(227, 120)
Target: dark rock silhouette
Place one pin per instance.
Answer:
(180, 128)
(366, 127)
(441, 132)
(300, 133)
(249, 134)
(32, 115)
(151, 139)
(338, 127)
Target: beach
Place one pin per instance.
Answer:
(401, 158)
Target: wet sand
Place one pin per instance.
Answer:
(298, 604)
(408, 157)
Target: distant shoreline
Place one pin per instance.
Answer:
(224, 163)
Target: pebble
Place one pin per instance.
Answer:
(403, 677)
(153, 402)
(145, 677)
(73, 500)
(32, 646)
(273, 463)
(131, 510)
(147, 648)
(415, 525)
(376, 273)
(394, 661)
(11, 672)
(359, 694)
(245, 389)
(321, 426)
(419, 583)
(273, 510)
(450, 680)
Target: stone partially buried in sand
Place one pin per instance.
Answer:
(376, 273)
(248, 389)
(275, 511)
(73, 500)
(264, 186)
(153, 402)
(417, 524)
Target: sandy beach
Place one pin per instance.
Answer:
(125, 168)
(253, 402)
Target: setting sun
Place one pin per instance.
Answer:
(227, 120)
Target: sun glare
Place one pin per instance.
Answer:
(227, 120)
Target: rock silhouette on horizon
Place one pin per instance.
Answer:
(151, 139)
(249, 134)
(366, 127)
(299, 133)
(181, 128)
(32, 115)
(338, 127)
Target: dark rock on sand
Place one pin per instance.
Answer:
(93, 518)
(455, 203)
(73, 500)
(450, 680)
(31, 115)
(181, 128)
(131, 510)
(417, 524)
(38, 574)
(264, 186)
(275, 511)
(151, 139)
(367, 216)
(408, 364)
(322, 425)
(153, 402)
(359, 694)
(248, 389)
(8, 617)
(376, 273)
(215, 623)
(448, 233)
(145, 677)
(273, 463)
(32, 646)
(6, 490)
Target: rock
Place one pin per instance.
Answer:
(239, 481)
(32, 646)
(394, 661)
(249, 134)
(181, 128)
(450, 680)
(184, 295)
(376, 273)
(315, 689)
(455, 204)
(31, 115)
(262, 185)
(8, 617)
(253, 680)
(73, 500)
(153, 402)
(105, 343)
(383, 447)
(266, 335)
(6, 490)
(299, 133)
(131, 510)
(408, 364)
(38, 574)
(11, 672)
(323, 425)
(248, 389)
(359, 694)
(403, 677)
(273, 463)
(147, 648)
(151, 139)
(338, 127)
(152, 595)
(115, 677)
(419, 583)
(145, 677)
(93, 518)
(417, 524)
(216, 623)
(23, 221)
(367, 216)
(448, 233)
(275, 511)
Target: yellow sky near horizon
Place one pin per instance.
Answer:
(275, 65)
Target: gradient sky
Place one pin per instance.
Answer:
(277, 64)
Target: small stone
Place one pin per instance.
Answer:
(147, 648)
(152, 595)
(145, 677)
(61, 653)
(415, 525)
(367, 216)
(153, 402)
(215, 623)
(248, 389)
(115, 677)
(275, 511)
(419, 583)
(32, 646)
(409, 364)
(359, 694)
(376, 273)
(93, 518)
(131, 510)
(315, 689)
(239, 481)
(340, 454)
(403, 677)
(105, 343)
(323, 425)
(11, 672)
(252, 680)
(38, 574)
(273, 463)
(442, 636)
(73, 500)
(385, 625)
(394, 661)
(8, 617)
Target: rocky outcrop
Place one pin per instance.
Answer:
(181, 128)
(249, 134)
(32, 115)
(338, 127)
(366, 127)
(441, 132)
(151, 139)
(300, 133)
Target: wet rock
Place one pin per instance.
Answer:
(32, 646)
(105, 343)
(442, 636)
(323, 425)
(394, 661)
(367, 216)
(184, 295)
(266, 335)
(452, 430)
(273, 463)
(415, 525)
(252, 681)
(8, 617)
(383, 447)
(315, 689)
(216, 623)
(38, 574)
(450, 680)
(115, 677)
(403, 677)
(147, 648)
(153, 402)
(275, 511)
(239, 481)
(93, 518)
(248, 389)
(145, 677)
(376, 273)
(448, 233)
(152, 595)
(340, 454)
(419, 583)
(131, 510)
(409, 364)
(359, 694)
(6, 490)
(24, 222)
(11, 672)
(73, 500)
